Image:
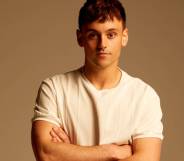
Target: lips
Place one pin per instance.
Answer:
(102, 53)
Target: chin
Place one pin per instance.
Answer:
(102, 65)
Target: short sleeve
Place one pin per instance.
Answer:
(149, 116)
(45, 105)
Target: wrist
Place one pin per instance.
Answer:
(113, 151)
(109, 151)
(120, 151)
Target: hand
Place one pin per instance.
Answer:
(121, 151)
(58, 135)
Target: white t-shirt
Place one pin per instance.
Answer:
(92, 117)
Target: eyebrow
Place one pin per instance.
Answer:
(93, 30)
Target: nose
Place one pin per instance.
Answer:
(102, 43)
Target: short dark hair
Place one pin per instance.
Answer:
(101, 10)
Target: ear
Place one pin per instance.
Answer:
(125, 37)
(79, 38)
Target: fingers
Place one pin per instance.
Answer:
(59, 135)
(54, 136)
(55, 140)
(127, 150)
(122, 151)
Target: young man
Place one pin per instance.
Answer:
(98, 112)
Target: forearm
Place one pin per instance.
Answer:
(147, 155)
(70, 152)
(57, 147)
(132, 158)
(136, 157)
(140, 158)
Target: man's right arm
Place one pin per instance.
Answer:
(47, 150)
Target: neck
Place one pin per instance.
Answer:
(104, 78)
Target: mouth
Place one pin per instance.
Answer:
(103, 53)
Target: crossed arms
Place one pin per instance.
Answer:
(52, 144)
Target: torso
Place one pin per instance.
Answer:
(93, 117)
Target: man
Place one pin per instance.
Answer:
(98, 112)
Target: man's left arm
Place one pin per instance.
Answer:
(145, 149)
(148, 133)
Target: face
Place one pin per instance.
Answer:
(102, 42)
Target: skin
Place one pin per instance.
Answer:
(102, 43)
(58, 135)
(51, 143)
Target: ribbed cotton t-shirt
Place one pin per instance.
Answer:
(90, 116)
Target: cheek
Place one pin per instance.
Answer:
(117, 45)
(89, 49)
(90, 45)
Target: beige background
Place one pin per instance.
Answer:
(37, 40)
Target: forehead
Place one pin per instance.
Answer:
(104, 26)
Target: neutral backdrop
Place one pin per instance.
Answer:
(37, 40)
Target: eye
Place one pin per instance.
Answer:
(92, 36)
(111, 35)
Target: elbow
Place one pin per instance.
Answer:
(42, 155)
(47, 157)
